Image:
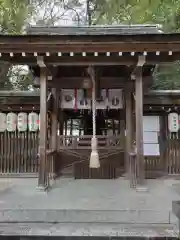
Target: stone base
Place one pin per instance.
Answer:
(142, 189)
(42, 188)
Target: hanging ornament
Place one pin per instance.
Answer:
(2, 122)
(115, 101)
(173, 122)
(86, 83)
(67, 99)
(107, 98)
(75, 100)
(85, 97)
(83, 101)
(115, 98)
(33, 122)
(11, 122)
(22, 122)
(107, 101)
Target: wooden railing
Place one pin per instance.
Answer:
(84, 142)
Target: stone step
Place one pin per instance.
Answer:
(128, 216)
(107, 231)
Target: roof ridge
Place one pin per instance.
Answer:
(96, 29)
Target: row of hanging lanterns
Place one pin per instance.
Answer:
(21, 122)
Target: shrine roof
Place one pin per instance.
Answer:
(94, 30)
(91, 45)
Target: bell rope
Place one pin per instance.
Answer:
(94, 157)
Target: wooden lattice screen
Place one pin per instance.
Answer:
(18, 152)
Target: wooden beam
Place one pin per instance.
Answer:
(80, 79)
(157, 100)
(27, 108)
(33, 101)
(152, 59)
(76, 82)
(19, 93)
(139, 125)
(69, 61)
(105, 82)
(42, 178)
(90, 43)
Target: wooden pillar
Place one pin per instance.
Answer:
(54, 119)
(139, 125)
(42, 178)
(54, 128)
(129, 127)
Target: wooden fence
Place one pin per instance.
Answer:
(18, 152)
(169, 160)
(172, 154)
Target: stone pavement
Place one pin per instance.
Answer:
(89, 207)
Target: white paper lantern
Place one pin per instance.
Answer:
(173, 122)
(11, 122)
(2, 122)
(33, 122)
(22, 122)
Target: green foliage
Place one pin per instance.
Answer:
(167, 77)
(13, 17)
(13, 14)
(163, 12)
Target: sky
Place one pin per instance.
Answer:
(65, 17)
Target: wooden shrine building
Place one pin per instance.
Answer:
(92, 81)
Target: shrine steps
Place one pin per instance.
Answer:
(124, 216)
(83, 230)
